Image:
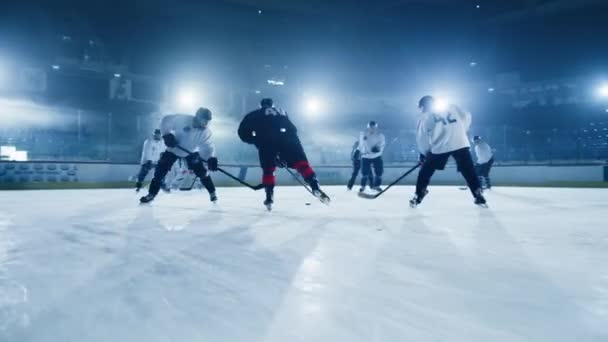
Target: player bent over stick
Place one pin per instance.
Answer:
(276, 137)
(184, 132)
(439, 136)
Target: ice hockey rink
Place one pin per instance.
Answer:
(94, 265)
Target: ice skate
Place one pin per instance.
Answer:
(417, 199)
(146, 199)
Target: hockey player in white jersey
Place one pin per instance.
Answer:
(485, 160)
(441, 135)
(150, 155)
(371, 146)
(190, 133)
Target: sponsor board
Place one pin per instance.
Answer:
(11, 172)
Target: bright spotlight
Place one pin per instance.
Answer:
(187, 99)
(313, 106)
(441, 104)
(603, 90)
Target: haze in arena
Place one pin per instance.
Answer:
(320, 170)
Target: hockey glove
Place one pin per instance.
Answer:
(375, 149)
(212, 164)
(422, 158)
(170, 140)
(193, 158)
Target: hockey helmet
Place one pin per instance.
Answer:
(203, 114)
(426, 102)
(266, 103)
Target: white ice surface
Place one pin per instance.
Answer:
(93, 265)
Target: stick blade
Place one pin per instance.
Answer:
(258, 187)
(367, 196)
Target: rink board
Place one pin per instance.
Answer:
(28, 173)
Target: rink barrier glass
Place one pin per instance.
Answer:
(76, 175)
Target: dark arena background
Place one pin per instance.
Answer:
(84, 85)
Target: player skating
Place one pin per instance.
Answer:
(485, 160)
(150, 155)
(276, 137)
(183, 133)
(355, 157)
(371, 145)
(441, 135)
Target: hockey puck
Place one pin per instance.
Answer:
(307, 203)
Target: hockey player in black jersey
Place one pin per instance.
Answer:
(276, 137)
(355, 157)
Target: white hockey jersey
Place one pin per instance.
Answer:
(443, 132)
(367, 141)
(191, 138)
(152, 150)
(483, 151)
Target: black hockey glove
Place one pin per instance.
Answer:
(193, 158)
(170, 140)
(422, 158)
(375, 149)
(212, 164)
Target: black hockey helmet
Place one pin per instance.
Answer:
(476, 138)
(372, 124)
(203, 114)
(426, 102)
(266, 103)
(156, 135)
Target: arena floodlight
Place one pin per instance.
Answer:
(603, 90)
(313, 106)
(441, 104)
(187, 99)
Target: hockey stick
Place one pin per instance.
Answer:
(188, 188)
(322, 197)
(280, 162)
(370, 196)
(253, 187)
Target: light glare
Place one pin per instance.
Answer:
(313, 106)
(441, 104)
(187, 99)
(603, 90)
